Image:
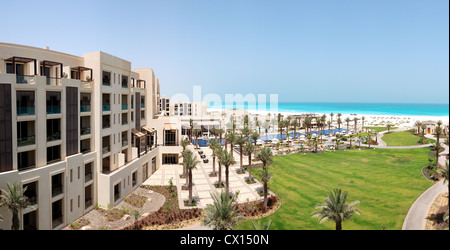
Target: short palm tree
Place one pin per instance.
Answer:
(389, 126)
(265, 175)
(184, 143)
(231, 137)
(438, 132)
(15, 200)
(437, 149)
(241, 140)
(444, 173)
(347, 120)
(264, 226)
(213, 145)
(255, 137)
(227, 160)
(249, 148)
(265, 156)
(190, 162)
(336, 209)
(223, 213)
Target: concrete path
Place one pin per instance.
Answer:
(416, 218)
(203, 184)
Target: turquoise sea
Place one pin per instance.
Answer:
(419, 109)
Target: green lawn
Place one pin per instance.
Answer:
(379, 129)
(403, 139)
(387, 182)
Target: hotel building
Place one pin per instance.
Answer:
(78, 132)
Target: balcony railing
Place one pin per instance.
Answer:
(57, 190)
(142, 105)
(25, 79)
(124, 143)
(53, 81)
(87, 203)
(25, 110)
(106, 107)
(26, 140)
(85, 150)
(85, 108)
(124, 106)
(106, 149)
(85, 131)
(53, 110)
(54, 136)
(88, 177)
(57, 221)
(86, 84)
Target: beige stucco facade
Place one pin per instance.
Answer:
(120, 138)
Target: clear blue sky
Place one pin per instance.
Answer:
(311, 51)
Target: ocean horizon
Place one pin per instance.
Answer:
(414, 109)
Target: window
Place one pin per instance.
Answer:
(25, 103)
(53, 102)
(57, 213)
(31, 192)
(53, 130)
(124, 81)
(53, 154)
(26, 133)
(134, 178)
(116, 192)
(26, 160)
(57, 184)
(85, 102)
(88, 172)
(106, 78)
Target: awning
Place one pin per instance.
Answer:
(137, 133)
(170, 126)
(150, 130)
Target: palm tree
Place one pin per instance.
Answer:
(331, 117)
(356, 123)
(184, 155)
(191, 163)
(219, 155)
(241, 140)
(437, 149)
(339, 122)
(424, 126)
(347, 120)
(223, 213)
(265, 175)
(323, 121)
(266, 127)
(351, 139)
(184, 143)
(197, 131)
(14, 198)
(227, 160)
(329, 127)
(438, 132)
(363, 119)
(389, 126)
(359, 140)
(281, 125)
(264, 226)
(265, 156)
(418, 124)
(213, 145)
(231, 137)
(295, 124)
(336, 209)
(220, 132)
(315, 143)
(444, 173)
(255, 137)
(249, 148)
(191, 125)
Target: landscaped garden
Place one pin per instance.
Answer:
(404, 138)
(386, 182)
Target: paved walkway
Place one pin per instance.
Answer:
(203, 184)
(416, 218)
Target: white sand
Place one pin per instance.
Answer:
(370, 120)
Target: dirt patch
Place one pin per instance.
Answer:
(435, 219)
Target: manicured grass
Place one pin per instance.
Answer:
(379, 129)
(403, 139)
(385, 181)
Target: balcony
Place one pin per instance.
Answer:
(85, 131)
(85, 108)
(26, 160)
(124, 143)
(85, 146)
(57, 184)
(106, 107)
(53, 81)
(52, 110)
(106, 150)
(124, 107)
(106, 121)
(55, 136)
(22, 111)
(22, 79)
(26, 141)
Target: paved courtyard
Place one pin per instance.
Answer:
(203, 185)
